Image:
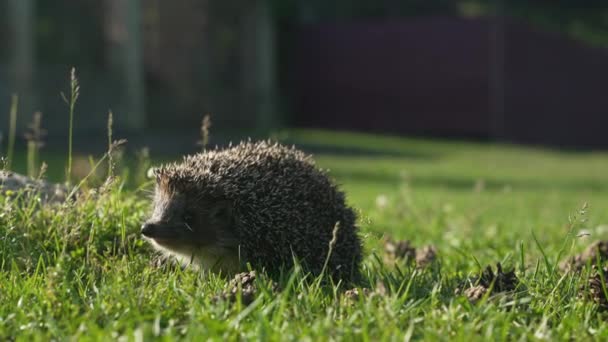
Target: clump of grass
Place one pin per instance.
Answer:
(115, 144)
(71, 102)
(115, 153)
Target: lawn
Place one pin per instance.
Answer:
(82, 271)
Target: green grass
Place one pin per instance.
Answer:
(82, 271)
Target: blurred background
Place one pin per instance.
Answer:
(532, 72)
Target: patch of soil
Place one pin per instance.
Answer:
(242, 284)
(594, 290)
(475, 293)
(395, 250)
(400, 249)
(425, 256)
(598, 249)
(498, 282)
(355, 294)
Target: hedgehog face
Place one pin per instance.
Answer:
(186, 224)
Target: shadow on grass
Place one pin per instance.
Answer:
(467, 184)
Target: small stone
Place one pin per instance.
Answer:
(12, 183)
(400, 249)
(475, 293)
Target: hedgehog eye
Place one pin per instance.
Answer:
(221, 212)
(188, 217)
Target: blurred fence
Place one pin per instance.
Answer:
(438, 76)
(156, 64)
(441, 68)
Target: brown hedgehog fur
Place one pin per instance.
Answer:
(261, 203)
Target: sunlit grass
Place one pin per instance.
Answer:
(81, 269)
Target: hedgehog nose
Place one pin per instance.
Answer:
(146, 229)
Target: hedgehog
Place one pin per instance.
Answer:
(257, 203)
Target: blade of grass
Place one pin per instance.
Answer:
(548, 265)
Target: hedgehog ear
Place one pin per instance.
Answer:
(155, 173)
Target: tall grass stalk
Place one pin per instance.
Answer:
(71, 102)
(76, 188)
(12, 130)
(205, 125)
(332, 244)
(31, 159)
(110, 161)
(34, 138)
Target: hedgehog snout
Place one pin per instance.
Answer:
(159, 230)
(147, 229)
